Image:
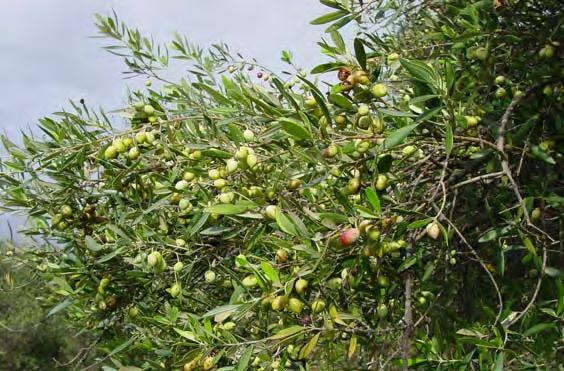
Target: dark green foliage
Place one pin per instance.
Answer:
(29, 340)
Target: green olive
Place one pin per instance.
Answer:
(295, 305)
(317, 306)
(301, 286)
(110, 153)
(379, 90)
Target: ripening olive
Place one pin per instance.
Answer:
(294, 184)
(66, 211)
(279, 302)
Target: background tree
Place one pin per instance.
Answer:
(30, 337)
(408, 213)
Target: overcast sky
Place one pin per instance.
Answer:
(47, 56)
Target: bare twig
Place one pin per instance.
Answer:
(478, 178)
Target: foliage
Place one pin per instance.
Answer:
(30, 340)
(408, 214)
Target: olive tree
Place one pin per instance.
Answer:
(398, 206)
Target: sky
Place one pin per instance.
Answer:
(47, 55)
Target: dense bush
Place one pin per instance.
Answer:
(30, 338)
(405, 210)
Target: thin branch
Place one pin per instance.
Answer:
(408, 319)
(480, 261)
(500, 144)
(478, 178)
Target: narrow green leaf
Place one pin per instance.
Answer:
(270, 272)
(245, 359)
(280, 86)
(287, 332)
(420, 70)
(59, 307)
(217, 153)
(429, 269)
(337, 218)
(318, 96)
(338, 40)
(542, 155)
(419, 223)
(490, 235)
(360, 53)
(329, 17)
(449, 139)
(198, 223)
(352, 347)
(286, 224)
(111, 255)
(186, 334)
(215, 231)
(422, 98)
(92, 245)
(538, 328)
(308, 348)
(222, 312)
(213, 93)
(450, 75)
(407, 263)
(121, 347)
(326, 67)
(499, 361)
(294, 128)
(341, 101)
(230, 209)
(398, 136)
(395, 113)
(331, 4)
(470, 333)
(373, 199)
(528, 244)
(340, 23)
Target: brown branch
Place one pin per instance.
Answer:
(408, 315)
(408, 319)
